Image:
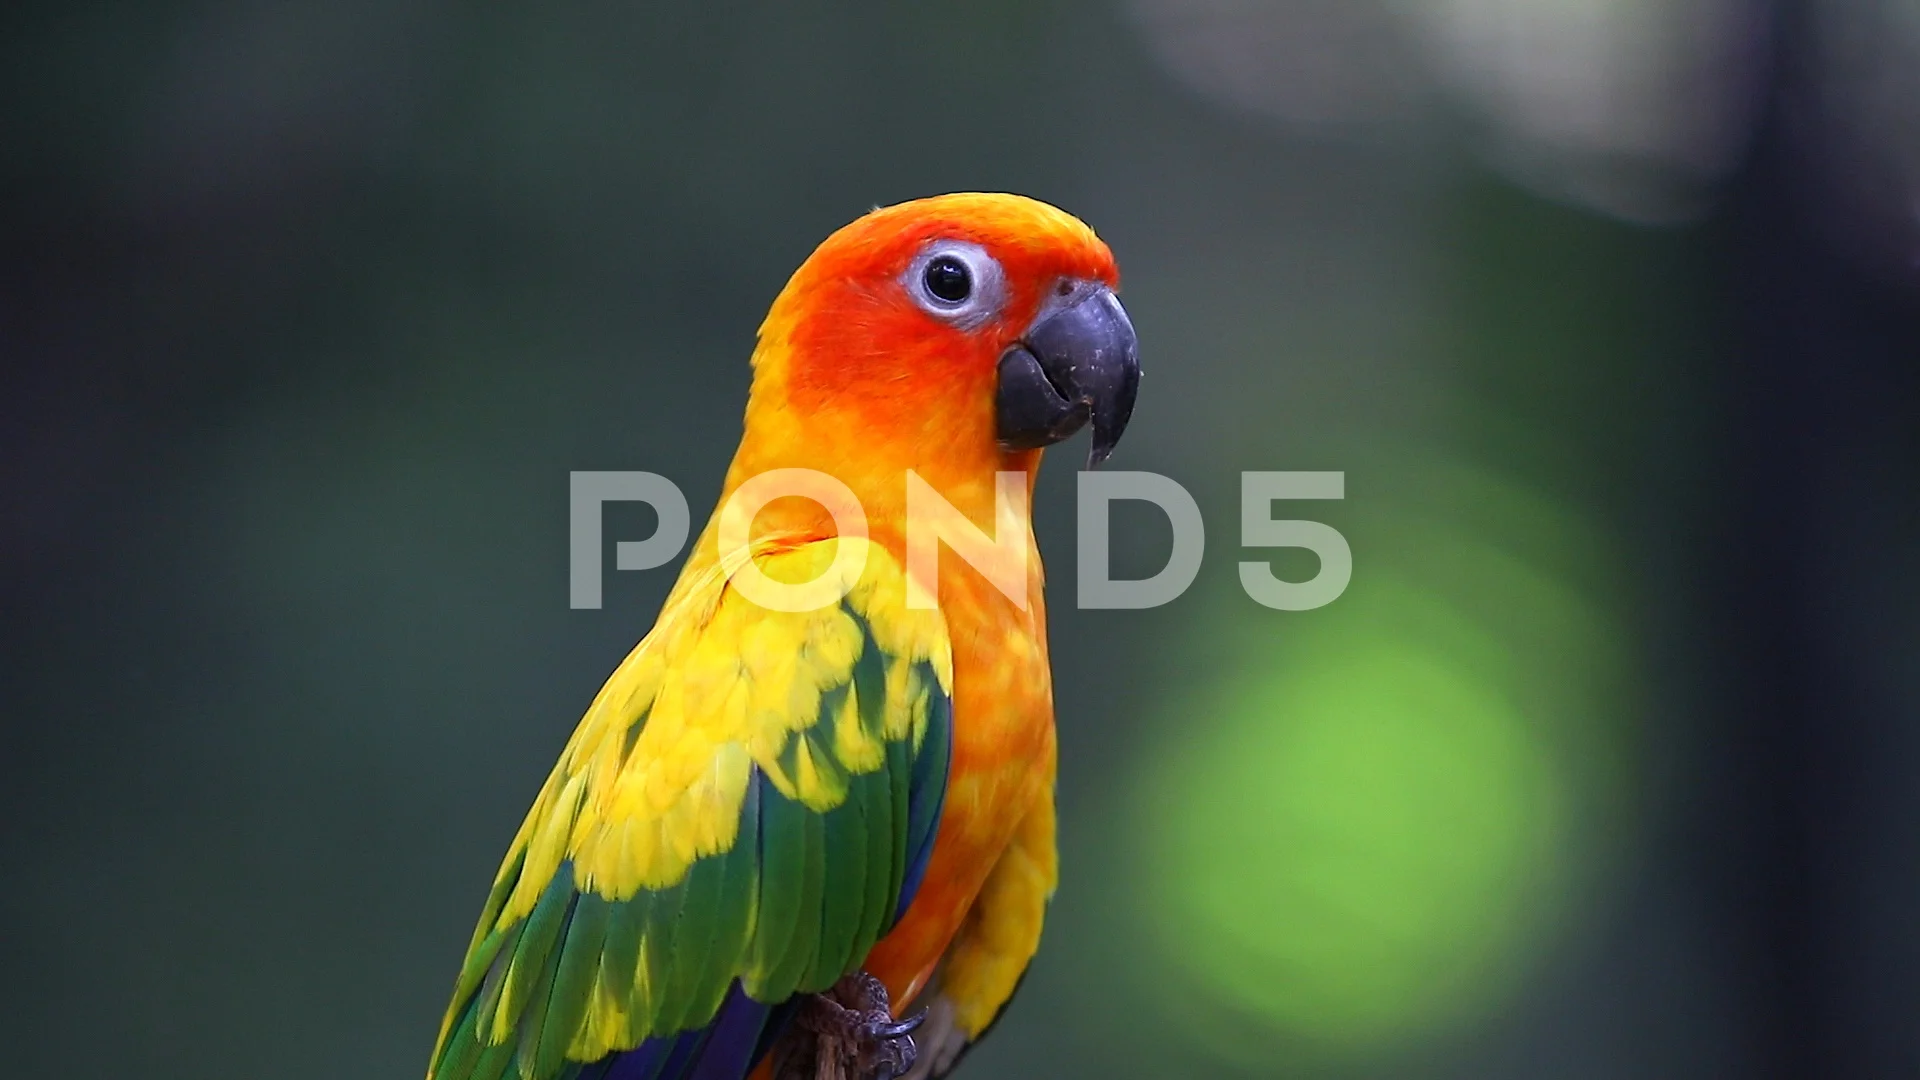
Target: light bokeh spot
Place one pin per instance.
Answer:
(1359, 832)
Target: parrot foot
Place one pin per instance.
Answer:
(847, 1033)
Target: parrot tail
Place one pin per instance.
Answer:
(726, 1049)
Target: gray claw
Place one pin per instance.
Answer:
(902, 1027)
(848, 1031)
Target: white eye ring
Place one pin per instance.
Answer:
(987, 283)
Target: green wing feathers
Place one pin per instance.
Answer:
(748, 798)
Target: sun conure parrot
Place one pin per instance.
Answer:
(775, 833)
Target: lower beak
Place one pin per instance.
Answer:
(1078, 362)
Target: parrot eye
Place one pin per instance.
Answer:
(947, 279)
(957, 282)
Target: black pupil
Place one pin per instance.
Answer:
(947, 279)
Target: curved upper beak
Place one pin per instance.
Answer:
(1079, 361)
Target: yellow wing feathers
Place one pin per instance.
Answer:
(654, 776)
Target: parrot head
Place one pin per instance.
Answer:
(955, 334)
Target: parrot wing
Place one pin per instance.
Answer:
(746, 807)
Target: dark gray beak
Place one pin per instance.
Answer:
(1079, 361)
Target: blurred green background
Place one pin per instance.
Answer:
(1606, 765)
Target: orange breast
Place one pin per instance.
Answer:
(1003, 746)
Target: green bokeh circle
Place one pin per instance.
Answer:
(1351, 842)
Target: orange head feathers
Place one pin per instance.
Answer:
(953, 335)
